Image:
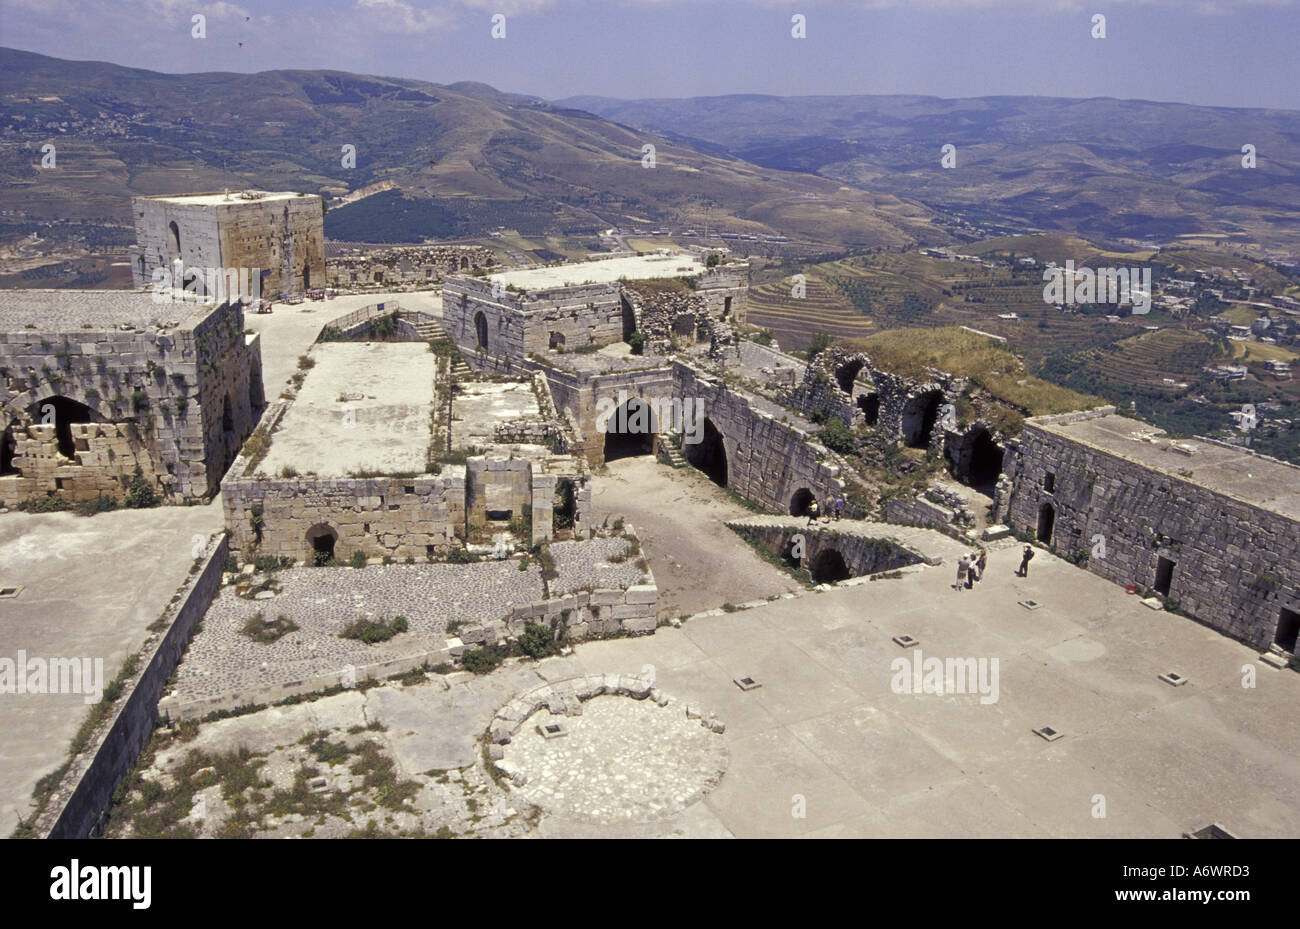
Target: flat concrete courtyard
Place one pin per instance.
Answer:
(91, 587)
(828, 745)
(364, 406)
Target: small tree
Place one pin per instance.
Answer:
(637, 342)
(838, 437)
(820, 342)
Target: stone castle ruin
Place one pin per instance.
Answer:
(278, 237)
(95, 384)
(1212, 528)
(405, 266)
(407, 462)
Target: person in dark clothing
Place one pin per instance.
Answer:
(839, 505)
(814, 511)
(1024, 561)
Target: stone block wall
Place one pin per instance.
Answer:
(176, 400)
(396, 516)
(767, 461)
(284, 237)
(402, 266)
(1237, 565)
(85, 790)
(862, 555)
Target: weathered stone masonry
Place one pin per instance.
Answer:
(173, 389)
(1235, 564)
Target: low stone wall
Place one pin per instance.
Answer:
(348, 676)
(582, 615)
(83, 794)
(862, 555)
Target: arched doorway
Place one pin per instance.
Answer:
(846, 374)
(630, 431)
(464, 264)
(321, 538)
(176, 236)
(919, 416)
(985, 461)
(227, 416)
(306, 278)
(829, 567)
(800, 501)
(480, 329)
(709, 454)
(1046, 523)
(869, 404)
(62, 413)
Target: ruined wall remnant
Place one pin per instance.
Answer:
(405, 266)
(173, 389)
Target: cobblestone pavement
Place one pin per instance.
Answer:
(583, 565)
(623, 761)
(322, 601)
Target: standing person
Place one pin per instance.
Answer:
(828, 508)
(972, 571)
(839, 506)
(982, 561)
(963, 570)
(1025, 558)
(813, 511)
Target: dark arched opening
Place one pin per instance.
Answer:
(322, 538)
(464, 264)
(829, 567)
(306, 278)
(630, 431)
(227, 415)
(1046, 522)
(846, 374)
(709, 454)
(985, 461)
(62, 413)
(176, 236)
(919, 417)
(800, 501)
(480, 329)
(869, 404)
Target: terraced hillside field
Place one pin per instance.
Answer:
(1142, 362)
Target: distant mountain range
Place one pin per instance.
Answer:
(1101, 168)
(476, 158)
(830, 173)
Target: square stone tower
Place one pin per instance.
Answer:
(274, 241)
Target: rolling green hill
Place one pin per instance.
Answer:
(478, 158)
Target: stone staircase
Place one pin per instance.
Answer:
(673, 453)
(432, 329)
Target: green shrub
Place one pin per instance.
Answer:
(838, 437)
(461, 556)
(636, 341)
(358, 560)
(139, 492)
(371, 631)
(482, 660)
(538, 641)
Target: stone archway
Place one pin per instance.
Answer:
(630, 431)
(920, 413)
(321, 541)
(829, 567)
(481, 329)
(800, 501)
(847, 373)
(985, 461)
(709, 454)
(8, 445)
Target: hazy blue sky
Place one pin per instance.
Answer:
(1218, 52)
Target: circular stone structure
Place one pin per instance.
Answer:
(615, 757)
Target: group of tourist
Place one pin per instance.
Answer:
(970, 568)
(829, 510)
